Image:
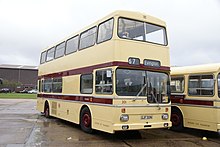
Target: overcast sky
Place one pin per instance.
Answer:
(28, 26)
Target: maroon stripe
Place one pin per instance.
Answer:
(177, 98)
(180, 100)
(89, 69)
(77, 98)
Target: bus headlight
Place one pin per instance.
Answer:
(124, 117)
(165, 116)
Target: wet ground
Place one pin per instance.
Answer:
(21, 125)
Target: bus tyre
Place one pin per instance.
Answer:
(47, 111)
(86, 120)
(177, 120)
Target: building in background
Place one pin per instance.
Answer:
(18, 77)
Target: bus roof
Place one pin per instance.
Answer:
(138, 16)
(121, 13)
(205, 68)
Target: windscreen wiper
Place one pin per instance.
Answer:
(142, 88)
(152, 93)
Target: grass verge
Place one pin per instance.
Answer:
(17, 96)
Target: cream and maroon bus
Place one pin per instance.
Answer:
(196, 97)
(112, 75)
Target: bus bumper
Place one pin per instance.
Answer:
(139, 126)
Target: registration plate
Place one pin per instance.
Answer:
(146, 117)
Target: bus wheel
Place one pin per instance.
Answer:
(86, 120)
(177, 120)
(47, 111)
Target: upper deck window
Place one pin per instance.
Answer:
(72, 44)
(131, 29)
(105, 31)
(137, 30)
(60, 50)
(87, 38)
(43, 57)
(50, 54)
(155, 34)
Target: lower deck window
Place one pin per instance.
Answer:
(201, 85)
(57, 85)
(219, 85)
(86, 83)
(39, 86)
(52, 85)
(177, 84)
(47, 85)
(103, 83)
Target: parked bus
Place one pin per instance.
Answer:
(196, 97)
(110, 76)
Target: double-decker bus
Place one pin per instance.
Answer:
(110, 76)
(196, 97)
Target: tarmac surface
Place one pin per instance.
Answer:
(21, 125)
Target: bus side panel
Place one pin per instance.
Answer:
(98, 54)
(102, 117)
(217, 104)
(40, 104)
(68, 111)
(199, 117)
(218, 119)
(71, 84)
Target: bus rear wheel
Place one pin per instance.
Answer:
(86, 120)
(177, 120)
